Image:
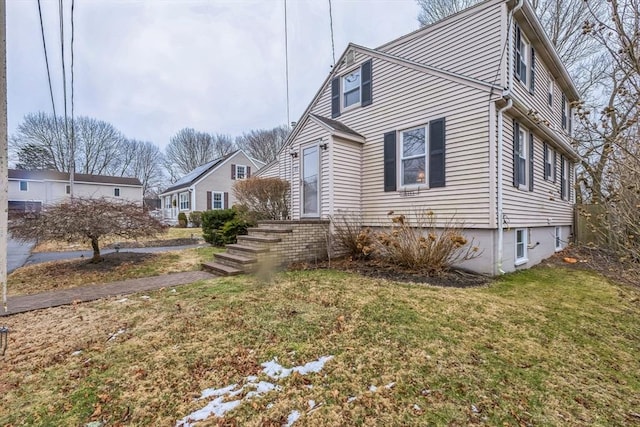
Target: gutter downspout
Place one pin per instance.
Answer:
(506, 95)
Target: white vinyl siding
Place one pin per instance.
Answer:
(476, 33)
(347, 173)
(404, 99)
(542, 206)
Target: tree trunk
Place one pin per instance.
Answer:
(96, 250)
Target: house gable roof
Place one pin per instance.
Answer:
(337, 128)
(203, 170)
(48, 175)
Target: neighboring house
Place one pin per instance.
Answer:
(30, 190)
(469, 117)
(209, 186)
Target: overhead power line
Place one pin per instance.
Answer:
(333, 47)
(46, 60)
(286, 60)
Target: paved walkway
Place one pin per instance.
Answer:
(23, 303)
(17, 253)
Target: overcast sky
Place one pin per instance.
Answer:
(153, 67)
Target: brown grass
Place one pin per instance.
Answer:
(114, 267)
(170, 234)
(548, 346)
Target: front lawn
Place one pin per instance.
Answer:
(547, 346)
(55, 275)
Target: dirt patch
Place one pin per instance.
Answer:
(584, 257)
(383, 270)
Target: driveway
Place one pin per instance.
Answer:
(17, 253)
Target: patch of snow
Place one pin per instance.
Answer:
(145, 297)
(216, 407)
(263, 387)
(312, 404)
(474, 409)
(123, 300)
(292, 418)
(373, 388)
(173, 291)
(390, 385)
(416, 407)
(276, 371)
(351, 399)
(76, 353)
(209, 392)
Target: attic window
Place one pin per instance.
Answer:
(351, 88)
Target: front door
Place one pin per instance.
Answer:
(310, 181)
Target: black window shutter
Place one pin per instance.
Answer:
(555, 166)
(569, 181)
(233, 171)
(545, 161)
(564, 112)
(366, 73)
(225, 200)
(532, 83)
(516, 152)
(335, 97)
(530, 161)
(437, 153)
(248, 172)
(209, 203)
(390, 161)
(517, 51)
(562, 181)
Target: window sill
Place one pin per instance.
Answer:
(521, 261)
(350, 107)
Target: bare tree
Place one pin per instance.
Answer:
(86, 219)
(263, 144)
(434, 10)
(42, 134)
(146, 166)
(222, 145)
(98, 145)
(189, 149)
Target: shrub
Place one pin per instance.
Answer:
(422, 245)
(195, 218)
(222, 226)
(182, 220)
(263, 198)
(351, 237)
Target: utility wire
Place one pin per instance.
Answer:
(286, 60)
(71, 157)
(73, 128)
(46, 60)
(333, 47)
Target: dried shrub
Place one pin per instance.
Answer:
(263, 198)
(351, 238)
(422, 245)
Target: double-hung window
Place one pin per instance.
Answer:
(522, 56)
(549, 163)
(413, 149)
(24, 186)
(351, 88)
(184, 201)
(116, 192)
(522, 157)
(241, 172)
(521, 246)
(565, 189)
(216, 200)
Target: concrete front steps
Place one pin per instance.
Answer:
(244, 256)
